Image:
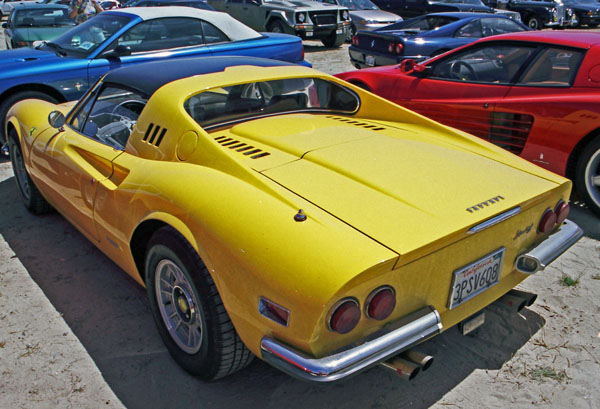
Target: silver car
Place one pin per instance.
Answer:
(365, 15)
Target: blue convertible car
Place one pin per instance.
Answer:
(425, 36)
(62, 70)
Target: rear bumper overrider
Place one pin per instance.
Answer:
(411, 330)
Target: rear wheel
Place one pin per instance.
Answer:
(592, 25)
(587, 179)
(13, 99)
(188, 310)
(32, 198)
(276, 27)
(334, 40)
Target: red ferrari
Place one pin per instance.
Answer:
(536, 94)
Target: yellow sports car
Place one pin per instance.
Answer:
(276, 211)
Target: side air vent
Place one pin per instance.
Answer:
(510, 131)
(154, 135)
(356, 123)
(242, 147)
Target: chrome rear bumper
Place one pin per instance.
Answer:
(412, 329)
(547, 251)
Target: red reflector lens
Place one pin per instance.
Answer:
(562, 211)
(345, 317)
(547, 221)
(391, 47)
(381, 303)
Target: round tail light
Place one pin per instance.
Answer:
(562, 211)
(399, 48)
(391, 47)
(345, 316)
(547, 221)
(380, 303)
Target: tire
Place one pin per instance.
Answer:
(534, 23)
(350, 33)
(13, 99)
(214, 350)
(592, 25)
(588, 169)
(334, 40)
(32, 198)
(276, 26)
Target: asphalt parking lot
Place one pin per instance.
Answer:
(109, 314)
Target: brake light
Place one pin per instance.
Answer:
(562, 211)
(354, 40)
(547, 221)
(345, 316)
(380, 303)
(395, 48)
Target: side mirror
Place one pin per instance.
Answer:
(409, 66)
(119, 51)
(56, 119)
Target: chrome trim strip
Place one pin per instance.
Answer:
(495, 220)
(411, 330)
(538, 257)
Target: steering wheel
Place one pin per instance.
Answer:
(131, 105)
(456, 70)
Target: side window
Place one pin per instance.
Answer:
(109, 115)
(161, 34)
(212, 34)
(494, 26)
(495, 64)
(553, 67)
(472, 30)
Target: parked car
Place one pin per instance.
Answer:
(304, 18)
(365, 15)
(535, 94)
(267, 209)
(539, 14)
(425, 36)
(199, 4)
(35, 22)
(7, 6)
(585, 12)
(413, 8)
(62, 70)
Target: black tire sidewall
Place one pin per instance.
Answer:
(13, 144)
(13, 99)
(202, 363)
(582, 163)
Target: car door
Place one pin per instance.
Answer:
(462, 89)
(72, 161)
(149, 41)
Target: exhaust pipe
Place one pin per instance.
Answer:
(404, 369)
(423, 360)
(516, 300)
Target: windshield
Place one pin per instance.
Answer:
(591, 2)
(86, 37)
(42, 17)
(222, 106)
(357, 4)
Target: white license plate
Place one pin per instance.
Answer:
(370, 60)
(339, 31)
(475, 278)
(309, 33)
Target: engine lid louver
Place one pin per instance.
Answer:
(154, 135)
(242, 147)
(357, 123)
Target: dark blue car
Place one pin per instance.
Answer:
(62, 70)
(425, 36)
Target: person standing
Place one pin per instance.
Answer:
(81, 10)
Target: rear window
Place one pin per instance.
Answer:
(220, 106)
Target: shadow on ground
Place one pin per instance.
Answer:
(109, 313)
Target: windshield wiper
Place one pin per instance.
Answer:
(59, 50)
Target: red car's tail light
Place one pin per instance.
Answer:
(562, 211)
(344, 317)
(547, 221)
(380, 303)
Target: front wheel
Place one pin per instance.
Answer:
(276, 27)
(188, 310)
(32, 198)
(334, 40)
(587, 179)
(534, 23)
(13, 99)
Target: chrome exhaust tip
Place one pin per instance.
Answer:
(423, 360)
(406, 370)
